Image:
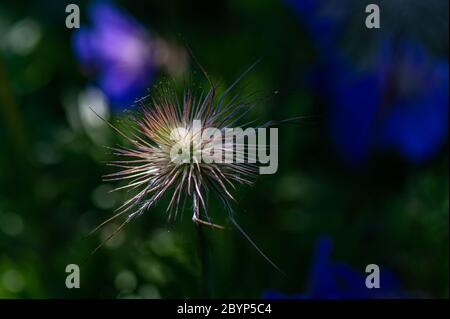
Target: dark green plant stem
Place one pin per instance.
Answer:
(206, 278)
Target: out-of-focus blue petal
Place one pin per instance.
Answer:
(81, 43)
(417, 120)
(118, 49)
(122, 88)
(322, 280)
(337, 280)
(418, 129)
(399, 101)
(354, 99)
(321, 22)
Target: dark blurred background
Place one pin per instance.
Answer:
(364, 182)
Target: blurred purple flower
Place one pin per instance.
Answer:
(336, 280)
(399, 100)
(119, 50)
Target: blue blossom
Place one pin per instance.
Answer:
(337, 280)
(400, 103)
(320, 20)
(118, 49)
(397, 100)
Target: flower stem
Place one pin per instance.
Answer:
(206, 278)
